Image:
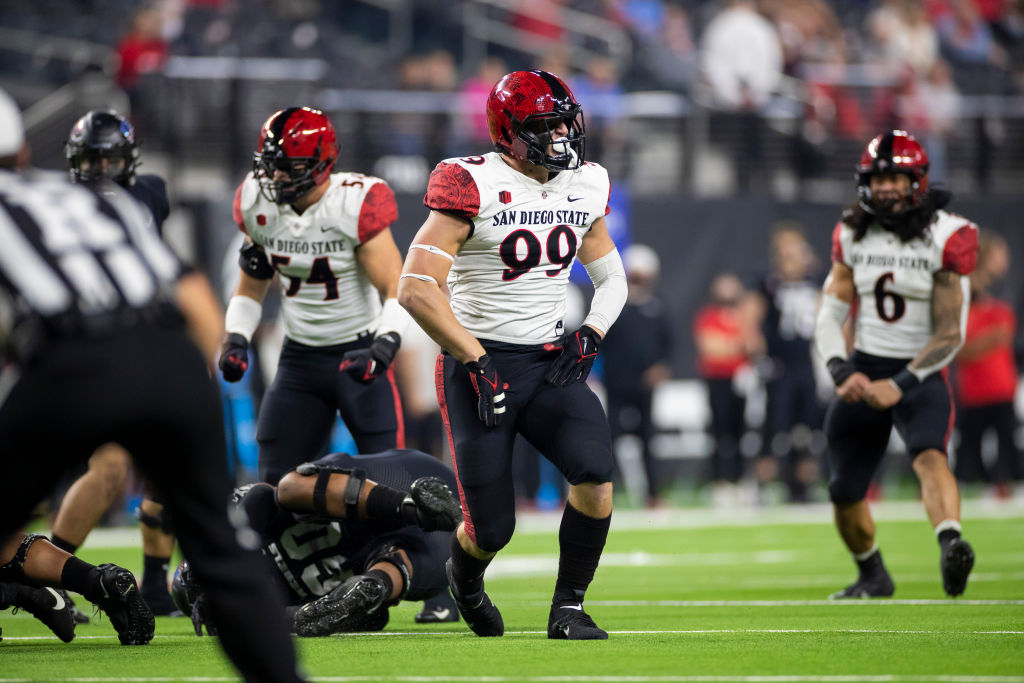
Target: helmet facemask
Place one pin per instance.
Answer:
(883, 208)
(539, 133)
(301, 174)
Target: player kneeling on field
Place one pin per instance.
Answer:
(347, 537)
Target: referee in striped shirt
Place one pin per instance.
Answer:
(101, 335)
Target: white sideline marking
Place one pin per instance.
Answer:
(780, 678)
(646, 632)
(685, 518)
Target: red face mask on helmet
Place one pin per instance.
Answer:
(524, 111)
(302, 144)
(893, 152)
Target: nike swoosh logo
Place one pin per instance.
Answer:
(325, 228)
(60, 600)
(576, 607)
(442, 613)
(574, 199)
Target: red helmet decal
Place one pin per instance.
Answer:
(302, 143)
(894, 152)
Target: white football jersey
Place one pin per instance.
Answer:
(509, 279)
(894, 281)
(327, 298)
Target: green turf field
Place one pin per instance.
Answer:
(687, 595)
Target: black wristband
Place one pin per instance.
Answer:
(905, 380)
(840, 369)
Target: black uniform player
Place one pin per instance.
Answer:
(95, 344)
(348, 536)
(100, 148)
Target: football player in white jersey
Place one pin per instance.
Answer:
(905, 262)
(503, 231)
(328, 238)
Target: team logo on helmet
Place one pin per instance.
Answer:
(525, 114)
(296, 152)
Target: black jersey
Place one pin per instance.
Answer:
(312, 555)
(151, 190)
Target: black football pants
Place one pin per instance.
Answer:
(147, 389)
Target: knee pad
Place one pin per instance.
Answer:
(14, 571)
(390, 554)
(356, 480)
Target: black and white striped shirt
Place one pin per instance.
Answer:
(73, 258)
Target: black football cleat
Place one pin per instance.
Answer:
(956, 563)
(124, 606)
(48, 606)
(570, 622)
(436, 614)
(875, 586)
(435, 507)
(482, 617)
(355, 606)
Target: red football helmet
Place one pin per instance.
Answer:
(300, 142)
(523, 112)
(893, 152)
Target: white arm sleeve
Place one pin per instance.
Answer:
(393, 318)
(609, 278)
(828, 330)
(243, 316)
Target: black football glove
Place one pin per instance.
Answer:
(579, 351)
(366, 365)
(201, 616)
(234, 357)
(490, 390)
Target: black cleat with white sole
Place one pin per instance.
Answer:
(956, 563)
(48, 606)
(480, 614)
(570, 622)
(355, 606)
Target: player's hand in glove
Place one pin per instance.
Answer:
(234, 357)
(366, 365)
(490, 390)
(579, 351)
(431, 505)
(201, 617)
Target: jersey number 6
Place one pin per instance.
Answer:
(898, 306)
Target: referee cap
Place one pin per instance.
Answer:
(12, 132)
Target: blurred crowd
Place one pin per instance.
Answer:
(851, 67)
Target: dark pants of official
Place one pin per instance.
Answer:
(147, 389)
(298, 411)
(858, 434)
(629, 412)
(972, 424)
(727, 427)
(566, 424)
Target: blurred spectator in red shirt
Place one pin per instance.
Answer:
(142, 50)
(986, 375)
(721, 353)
